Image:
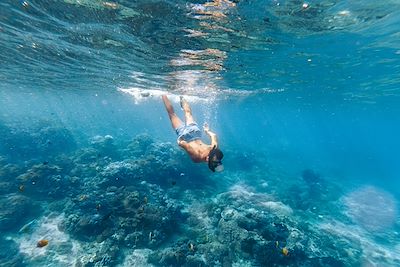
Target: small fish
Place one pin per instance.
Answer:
(191, 246)
(276, 244)
(42, 243)
(173, 182)
(45, 162)
(111, 5)
(83, 197)
(27, 227)
(21, 188)
(285, 251)
(151, 236)
(145, 200)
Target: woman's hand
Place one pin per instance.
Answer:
(181, 142)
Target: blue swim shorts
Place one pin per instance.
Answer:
(188, 132)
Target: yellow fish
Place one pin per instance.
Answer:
(42, 243)
(285, 251)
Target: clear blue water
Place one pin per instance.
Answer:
(304, 97)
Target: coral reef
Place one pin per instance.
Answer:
(241, 226)
(143, 203)
(14, 209)
(372, 208)
(41, 141)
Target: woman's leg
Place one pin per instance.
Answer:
(188, 111)
(175, 121)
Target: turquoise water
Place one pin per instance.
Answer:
(304, 98)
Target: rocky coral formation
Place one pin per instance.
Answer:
(41, 141)
(242, 225)
(14, 209)
(113, 201)
(372, 208)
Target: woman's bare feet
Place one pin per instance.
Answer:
(184, 103)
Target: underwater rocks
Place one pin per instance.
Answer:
(166, 158)
(139, 146)
(116, 200)
(103, 200)
(105, 194)
(105, 146)
(137, 258)
(121, 173)
(40, 142)
(9, 171)
(252, 229)
(15, 209)
(168, 257)
(316, 186)
(123, 219)
(44, 181)
(154, 167)
(86, 226)
(237, 228)
(140, 160)
(136, 216)
(372, 208)
(313, 194)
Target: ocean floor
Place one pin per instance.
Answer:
(108, 202)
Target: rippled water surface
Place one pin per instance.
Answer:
(304, 98)
(249, 45)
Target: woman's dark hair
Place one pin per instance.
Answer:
(214, 158)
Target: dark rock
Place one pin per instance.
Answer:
(275, 232)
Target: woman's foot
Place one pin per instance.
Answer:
(183, 102)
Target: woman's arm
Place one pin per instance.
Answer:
(213, 136)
